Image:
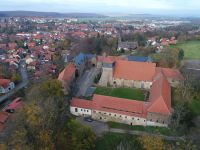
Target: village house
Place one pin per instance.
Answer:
(6, 85)
(127, 46)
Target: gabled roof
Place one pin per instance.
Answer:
(67, 73)
(132, 70)
(172, 73)
(160, 95)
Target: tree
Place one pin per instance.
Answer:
(16, 78)
(152, 143)
(182, 118)
(39, 120)
(181, 54)
(74, 136)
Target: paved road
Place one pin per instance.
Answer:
(98, 127)
(24, 76)
(86, 81)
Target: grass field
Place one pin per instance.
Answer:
(191, 49)
(128, 93)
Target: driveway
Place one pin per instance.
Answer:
(86, 81)
(98, 127)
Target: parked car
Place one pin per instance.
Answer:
(88, 119)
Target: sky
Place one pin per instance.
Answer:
(160, 7)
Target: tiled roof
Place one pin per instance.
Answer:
(4, 82)
(15, 104)
(67, 74)
(76, 102)
(131, 70)
(172, 73)
(160, 95)
(119, 105)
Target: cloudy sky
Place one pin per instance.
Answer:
(168, 7)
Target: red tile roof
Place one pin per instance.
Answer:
(172, 73)
(138, 71)
(17, 103)
(119, 105)
(76, 102)
(4, 82)
(67, 74)
(160, 95)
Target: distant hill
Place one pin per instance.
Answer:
(47, 14)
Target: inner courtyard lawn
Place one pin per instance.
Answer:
(122, 92)
(191, 49)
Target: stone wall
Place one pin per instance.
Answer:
(130, 83)
(157, 119)
(115, 117)
(80, 111)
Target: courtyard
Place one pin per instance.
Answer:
(123, 92)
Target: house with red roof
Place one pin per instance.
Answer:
(155, 111)
(67, 76)
(6, 85)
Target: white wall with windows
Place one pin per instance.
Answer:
(80, 111)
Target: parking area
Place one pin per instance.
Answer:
(98, 127)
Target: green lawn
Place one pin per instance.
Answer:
(158, 130)
(128, 93)
(191, 49)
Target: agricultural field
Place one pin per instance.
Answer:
(128, 93)
(191, 49)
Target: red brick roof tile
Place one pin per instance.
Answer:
(138, 71)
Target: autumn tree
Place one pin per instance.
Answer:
(152, 143)
(38, 121)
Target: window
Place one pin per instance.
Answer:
(115, 115)
(133, 118)
(109, 114)
(120, 116)
(125, 116)
(144, 120)
(163, 122)
(87, 110)
(76, 109)
(138, 119)
(81, 109)
(100, 118)
(84, 110)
